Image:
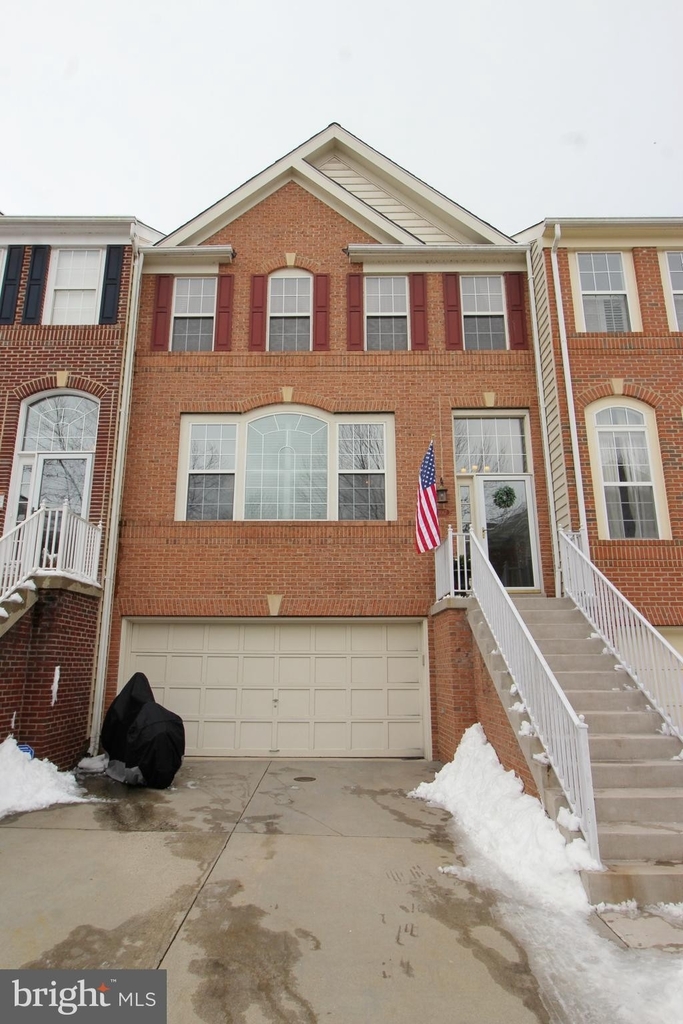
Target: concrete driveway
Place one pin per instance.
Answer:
(271, 891)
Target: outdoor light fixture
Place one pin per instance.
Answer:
(441, 492)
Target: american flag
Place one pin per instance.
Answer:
(427, 532)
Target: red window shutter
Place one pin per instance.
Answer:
(418, 312)
(355, 327)
(451, 299)
(223, 328)
(514, 293)
(257, 322)
(321, 312)
(161, 324)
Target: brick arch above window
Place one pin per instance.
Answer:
(634, 391)
(49, 382)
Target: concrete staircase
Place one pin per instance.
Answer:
(638, 787)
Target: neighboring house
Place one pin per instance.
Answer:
(64, 302)
(299, 344)
(619, 332)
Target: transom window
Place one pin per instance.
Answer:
(386, 313)
(194, 306)
(490, 444)
(626, 473)
(289, 319)
(483, 307)
(289, 464)
(675, 262)
(75, 286)
(603, 289)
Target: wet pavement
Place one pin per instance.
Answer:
(270, 891)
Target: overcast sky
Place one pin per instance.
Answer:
(516, 109)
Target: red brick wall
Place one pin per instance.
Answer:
(650, 363)
(60, 629)
(453, 706)
(330, 568)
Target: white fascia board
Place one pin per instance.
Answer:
(199, 257)
(429, 197)
(65, 231)
(438, 257)
(625, 232)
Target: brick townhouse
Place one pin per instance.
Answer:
(64, 303)
(298, 346)
(612, 353)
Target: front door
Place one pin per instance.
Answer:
(60, 479)
(499, 511)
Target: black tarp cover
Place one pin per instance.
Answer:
(142, 734)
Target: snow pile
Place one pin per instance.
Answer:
(507, 844)
(31, 785)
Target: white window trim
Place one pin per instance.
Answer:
(668, 289)
(366, 315)
(629, 282)
(496, 414)
(185, 316)
(242, 422)
(503, 313)
(3, 257)
(656, 469)
(290, 272)
(48, 301)
(22, 458)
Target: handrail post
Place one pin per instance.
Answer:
(451, 562)
(61, 529)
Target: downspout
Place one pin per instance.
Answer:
(569, 392)
(117, 493)
(544, 428)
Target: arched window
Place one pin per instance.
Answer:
(290, 296)
(626, 469)
(286, 470)
(53, 463)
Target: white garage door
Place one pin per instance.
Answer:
(287, 688)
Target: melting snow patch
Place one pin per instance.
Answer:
(31, 785)
(55, 685)
(94, 765)
(567, 820)
(507, 844)
(526, 729)
(629, 907)
(673, 912)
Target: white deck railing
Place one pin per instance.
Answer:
(52, 541)
(651, 661)
(560, 730)
(452, 565)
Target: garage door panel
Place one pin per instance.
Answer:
(181, 669)
(220, 702)
(294, 671)
(405, 702)
(330, 702)
(368, 671)
(256, 703)
(223, 671)
(260, 688)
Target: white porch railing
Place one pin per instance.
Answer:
(52, 541)
(650, 659)
(560, 730)
(452, 565)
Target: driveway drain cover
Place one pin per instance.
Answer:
(305, 778)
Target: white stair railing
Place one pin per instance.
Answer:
(452, 565)
(655, 666)
(563, 734)
(51, 541)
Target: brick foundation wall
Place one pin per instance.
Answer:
(60, 629)
(453, 704)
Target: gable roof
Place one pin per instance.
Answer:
(365, 187)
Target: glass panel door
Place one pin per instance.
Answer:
(61, 479)
(505, 513)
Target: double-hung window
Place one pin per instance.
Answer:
(74, 286)
(386, 313)
(483, 307)
(675, 263)
(289, 314)
(603, 292)
(194, 307)
(286, 464)
(626, 473)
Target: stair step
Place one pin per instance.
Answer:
(653, 843)
(625, 722)
(570, 645)
(610, 774)
(522, 602)
(606, 700)
(553, 616)
(605, 747)
(579, 662)
(605, 681)
(644, 883)
(640, 805)
(580, 630)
